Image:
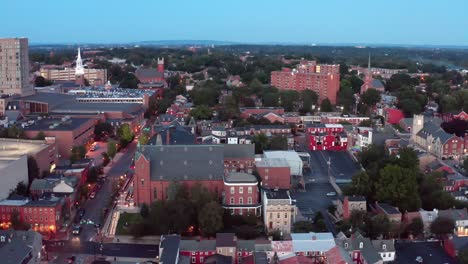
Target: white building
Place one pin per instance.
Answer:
(12, 172)
(279, 211)
(294, 161)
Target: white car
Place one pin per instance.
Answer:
(331, 193)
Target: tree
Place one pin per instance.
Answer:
(358, 220)
(125, 134)
(416, 227)
(326, 106)
(442, 226)
(15, 132)
(143, 139)
(202, 112)
(77, 153)
(303, 227)
(93, 175)
(144, 210)
(410, 107)
(103, 128)
(408, 158)
(40, 136)
(111, 149)
(200, 196)
(463, 255)
(210, 218)
(379, 226)
(360, 184)
(41, 82)
(399, 80)
(129, 81)
(289, 100)
(278, 143)
(370, 97)
(16, 222)
(261, 143)
(33, 169)
(346, 96)
(398, 186)
(308, 98)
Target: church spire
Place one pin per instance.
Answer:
(368, 65)
(79, 70)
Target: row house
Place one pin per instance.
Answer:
(360, 137)
(44, 216)
(239, 157)
(428, 134)
(326, 137)
(393, 213)
(59, 186)
(263, 129)
(313, 245)
(348, 204)
(364, 251)
(240, 194)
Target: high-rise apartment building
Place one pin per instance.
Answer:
(14, 67)
(324, 79)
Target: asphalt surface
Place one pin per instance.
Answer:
(94, 211)
(76, 247)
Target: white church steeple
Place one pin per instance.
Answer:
(79, 70)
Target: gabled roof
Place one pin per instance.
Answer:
(304, 242)
(148, 73)
(455, 214)
(235, 151)
(225, 240)
(184, 162)
(170, 248)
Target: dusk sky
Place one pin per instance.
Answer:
(418, 22)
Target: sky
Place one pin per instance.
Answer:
(414, 22)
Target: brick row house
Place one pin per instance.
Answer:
(326, 137)
(44, 216)
(240, 195)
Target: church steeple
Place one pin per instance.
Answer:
(79, 70)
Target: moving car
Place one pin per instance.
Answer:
(76, 230)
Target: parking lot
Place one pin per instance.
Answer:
(317, 183)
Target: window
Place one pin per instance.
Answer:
(249, 190)
(142, 182)
(194, 260)
(193, 253)
(249, 200)
(361, 245)
(278, 215)
(201, 260)
(233, 190)
(231, 201)
(384, 247)
(241, 189)
(346, 245)
(155, 194)
(241, 200)
(286, 215)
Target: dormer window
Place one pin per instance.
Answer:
(384, 247)
(361, 245)
(2, 238)
(346, 245)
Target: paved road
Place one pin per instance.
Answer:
(95, 207)
(75, 247)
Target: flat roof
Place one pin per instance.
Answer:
(240, 177)
(272, 162)
(11, 148)
(57, 124)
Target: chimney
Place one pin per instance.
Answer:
(168, 137)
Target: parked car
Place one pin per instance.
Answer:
(92, 195)
(331, 193)
(79, 214)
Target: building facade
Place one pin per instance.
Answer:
(275, 173)
(326, 137)
(95, 77)
(14, 67)
(279, 210)
(324, 79)
(240, 194)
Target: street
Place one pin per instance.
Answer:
(94, 209)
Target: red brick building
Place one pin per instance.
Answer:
(44, 216)
(157, 166)
(324, 79)
(151, 78)
(68, 132)
(240, 195)
(326, 137)
(239, 157)
(275, 173)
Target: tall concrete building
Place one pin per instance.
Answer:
(14, 67)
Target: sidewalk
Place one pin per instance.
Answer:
(111, 163)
